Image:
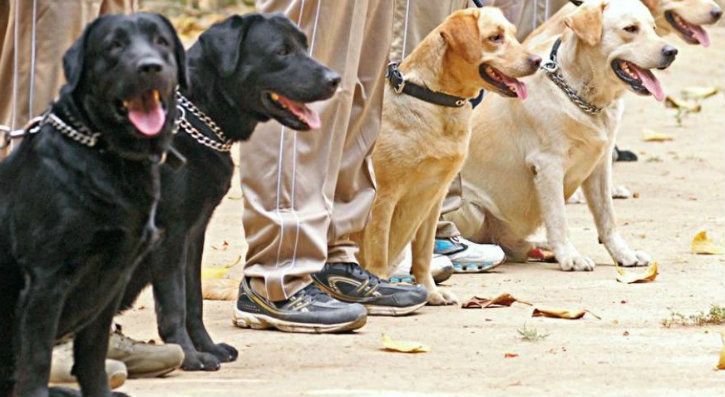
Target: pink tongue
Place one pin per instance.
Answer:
(304, 113)
(148, 123)
(520, 87)
(650, 82)
(701, 35)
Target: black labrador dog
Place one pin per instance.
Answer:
(242, 71)
(78, 200)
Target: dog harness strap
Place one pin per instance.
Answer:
(554, 73)
(186, 108)
(399, 85)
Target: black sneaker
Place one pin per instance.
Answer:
(349, 282)
(309, 310)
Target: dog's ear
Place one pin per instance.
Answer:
(74, 57)
(179, 53)
(222, 42)
(652, 5)
(586, 21)
(460, 32)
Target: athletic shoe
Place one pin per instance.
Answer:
(62, 364)
(469, 257)
(349, 282)
(441, 269)
(144, 360)
(308, 311)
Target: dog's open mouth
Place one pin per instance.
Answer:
(146, 112)
(305, 117)
(505, 85)
(690, 32)
(642, 81)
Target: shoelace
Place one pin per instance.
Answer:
(356, 269)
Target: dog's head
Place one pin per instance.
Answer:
(685, 17)
(621, 33)
(260, 65)
(122, 74)
(481, 47)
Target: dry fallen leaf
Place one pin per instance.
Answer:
(651, 136)
(681, 104)
(478, 302)
(403, 346)
(629, 277)
(220, 289)
(721, 364)
(510, 355)
(213, 272)
(541, 254)
(699, 92)
(701, 244)
(559, 313)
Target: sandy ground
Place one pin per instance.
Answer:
(627, 352)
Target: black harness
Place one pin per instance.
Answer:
(399, 85)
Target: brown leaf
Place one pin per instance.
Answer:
(511, 355)
(478, 302)
(561, 313)
(629, 277)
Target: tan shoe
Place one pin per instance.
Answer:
(62, 364)
(144, 360)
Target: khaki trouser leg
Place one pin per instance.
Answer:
(290, 179)
(36, 36)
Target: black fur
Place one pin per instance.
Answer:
(232, 68)
(75, 220)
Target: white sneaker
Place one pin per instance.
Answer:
(469, 257)
(441, 268)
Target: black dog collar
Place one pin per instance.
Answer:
(397, 81)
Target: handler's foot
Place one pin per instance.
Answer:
(441, 269)
(62, 364)
(144, 360)
(349, 282)
(308, 311)
(469, 257)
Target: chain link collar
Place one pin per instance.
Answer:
(554, 73)
(224, 144)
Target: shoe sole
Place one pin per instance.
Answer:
(261, 321)
(374, 310)
(462, 267)
(156, 374)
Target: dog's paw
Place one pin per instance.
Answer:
(575, 262)
(635, 259)
(223, 352)
(198, 361)
(440, 297)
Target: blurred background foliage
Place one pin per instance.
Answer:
(191, 17)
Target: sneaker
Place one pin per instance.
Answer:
(308, 311)
(349, 282)
(144, 360)
(62, 364)
(469, 257)
(441, 269)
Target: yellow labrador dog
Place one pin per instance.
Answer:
(424, 139)
(527, 158)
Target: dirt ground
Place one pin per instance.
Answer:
(627, 352)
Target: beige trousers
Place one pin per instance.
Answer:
(526, 15)
(34, 35)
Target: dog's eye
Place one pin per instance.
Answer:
(116, 45)
(632, 29)
(283, 51)
(162, 41)
(497, 38)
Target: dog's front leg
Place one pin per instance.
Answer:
(597, 189)
(41, 304)
(422, 250)
(548, 174)
(376, 240)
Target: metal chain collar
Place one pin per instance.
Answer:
(81, 135)
(554, 73)
(185, 105)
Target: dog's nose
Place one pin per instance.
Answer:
(716, 13)
(332, 79)
(149, 65)
(535, 60)
(669, 51)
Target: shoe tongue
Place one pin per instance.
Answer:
(701, 35)
(650, 82)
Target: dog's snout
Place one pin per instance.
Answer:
(535, 60)
(332, 79)
(716, 13)
(149, 65)
(669, 52)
